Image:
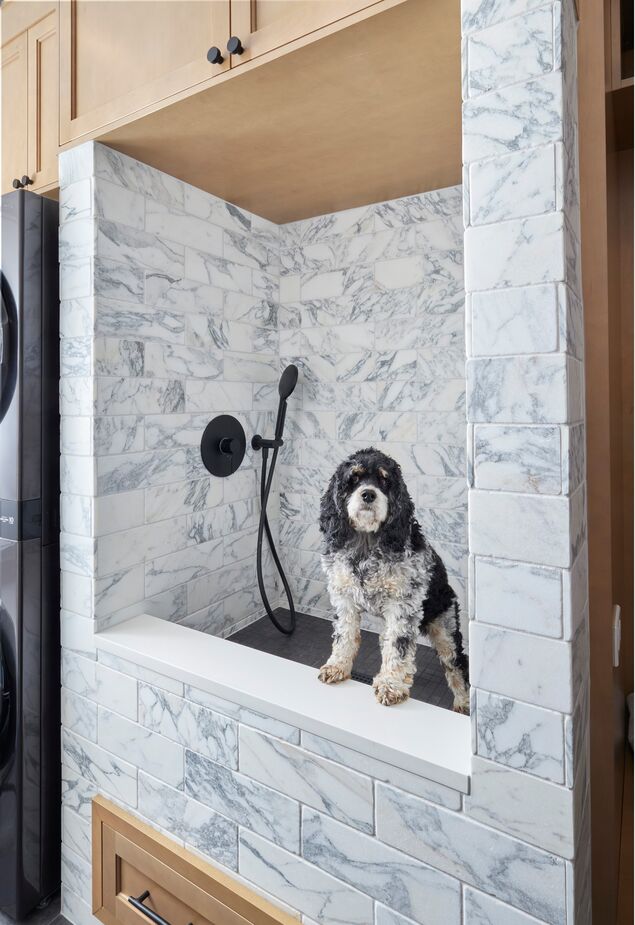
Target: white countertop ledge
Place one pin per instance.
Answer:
(414, 736)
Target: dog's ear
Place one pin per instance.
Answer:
(395, 532)
(334, 522)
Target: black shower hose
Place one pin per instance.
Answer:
(266, 480)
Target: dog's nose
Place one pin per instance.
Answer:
(368, 495)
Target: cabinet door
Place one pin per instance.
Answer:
(119, 58)
(43, 89)
(14, 111)
(263, 25)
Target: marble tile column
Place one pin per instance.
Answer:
(525, 404)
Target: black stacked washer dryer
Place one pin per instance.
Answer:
(29, 554)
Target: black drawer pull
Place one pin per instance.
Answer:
(138, 901)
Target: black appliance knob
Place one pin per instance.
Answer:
(234, 46)
(26, 181)
(16, 184)
(215, 55)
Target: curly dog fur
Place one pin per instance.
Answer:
(377, 560)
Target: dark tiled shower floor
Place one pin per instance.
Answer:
(311, 645)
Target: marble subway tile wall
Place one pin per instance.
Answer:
(525, 407)
(372, 311)
(169, 317)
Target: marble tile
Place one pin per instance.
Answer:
(516, 458)
(77, 793)
(522, 115)
(479, 14)
(247, 802)
(520, 736)
(154, 753)
(122, 511)
(184, 497)
(141, 673)
(142, 470)
(79, 714)
(125, 171)
(314, 781)
(115, 203)
(168, 291)
(118, 281)
(324, 898)
(211, 833)
(76, 164)
(128, 547)
(139, 396)
(118, 434)
(98, 767)
(518, 596)
(481, 909)
(189, 724)
(77, 871)
(119, 589)
(180, 567)
(126, 319)
(135, 249)
(514, 321)
(516, 49)
(542, 674)
(513, 871)
(77, 631)
(414, 889)
(546, 535)
(116, 691)
(76, 833)
(78, 674)
(168, 223)
(268, 724)
(218, 272)
(384, 916)
(521, 252)
(514, 185)
(536, 810)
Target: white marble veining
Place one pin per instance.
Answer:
(522, 320)
(520, 736)
(524, 876)
(518, 596)
(516, 458)
(314, 781)
(246, 801)
(389, 876)
(213, 834)
(324, 898)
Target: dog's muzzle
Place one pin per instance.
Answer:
(367, 508)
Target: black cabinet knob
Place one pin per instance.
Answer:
(16, 184)
(26, 181)
(234, 46)
(214, 55)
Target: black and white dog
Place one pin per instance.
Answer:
(377, 560)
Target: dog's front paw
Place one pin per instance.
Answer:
(333, 674)
(461, 706)
(390, 691)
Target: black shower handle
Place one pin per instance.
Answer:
(235, 46)
(215, 55)
(226, 446)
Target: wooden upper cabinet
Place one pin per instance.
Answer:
(119, 58)
(43, 106)
(14, 110)
(264, 25)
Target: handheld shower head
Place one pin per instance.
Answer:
(288, 381)
(287, 384)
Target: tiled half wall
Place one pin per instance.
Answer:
(176, 307)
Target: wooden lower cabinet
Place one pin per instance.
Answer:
(131, 860)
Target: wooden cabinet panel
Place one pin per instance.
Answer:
(263, 25)
(132, 860)
(14, 110)
(43, 108)
(119, 58)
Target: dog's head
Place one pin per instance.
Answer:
(367, 495)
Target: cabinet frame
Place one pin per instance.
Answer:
(140, 99)
(43, 175)
(14, 50)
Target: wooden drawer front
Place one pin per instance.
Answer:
(130, 858)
